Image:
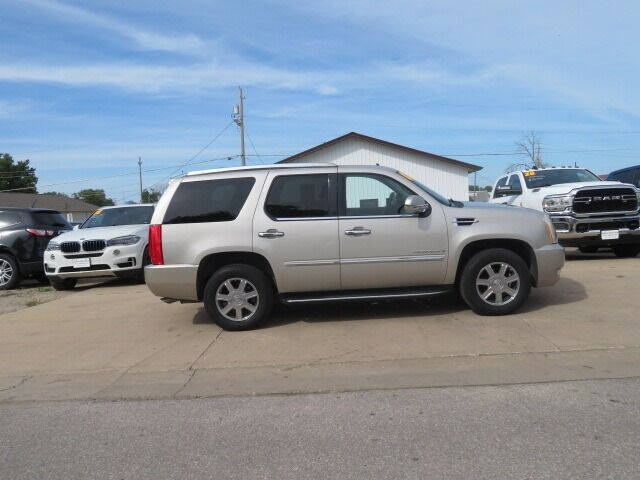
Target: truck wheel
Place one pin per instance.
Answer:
(495, 282)
(238, 297)
(626, 251)
(63, 283)
(146, 260)
(588, 249)
(9, 272)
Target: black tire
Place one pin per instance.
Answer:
(146, 260)
(257, 281)
(63, 284)
(472, 272)
(627, 250)
(588, 249)
(9, 267)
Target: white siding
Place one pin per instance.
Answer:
(445, 178)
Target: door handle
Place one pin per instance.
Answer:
(271, 233)
(357, 231)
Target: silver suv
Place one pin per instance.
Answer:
(239, 239)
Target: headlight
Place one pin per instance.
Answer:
(552, 236)
(53, 245)
(126, 240)
(557, 203)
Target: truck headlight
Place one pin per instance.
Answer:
(53, 245)
(557, 203)
(552, 236)
(125, 240)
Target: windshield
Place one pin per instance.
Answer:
(546, 178)
(435, 195)
(112, 217)
(50, 219)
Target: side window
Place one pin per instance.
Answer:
(371, 195)
(300, 196)
(628, 176)
(208, 200)
(514, 181)
(501, 183)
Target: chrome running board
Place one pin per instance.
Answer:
(355, 295)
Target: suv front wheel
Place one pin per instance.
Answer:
(495, 282)
(238, 297)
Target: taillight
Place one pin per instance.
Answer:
(40, 233)
(155, 244)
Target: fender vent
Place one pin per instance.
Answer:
(465, 222)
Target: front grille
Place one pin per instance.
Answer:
(70, 247)
(84, 269)
(85, 255)
(93, 245)
(613, 225)
(603, 200)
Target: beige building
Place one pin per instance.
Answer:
(73, 209)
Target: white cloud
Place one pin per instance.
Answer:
(143, 39)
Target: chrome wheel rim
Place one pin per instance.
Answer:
(498, 283)
(6, 272)
(237, 299)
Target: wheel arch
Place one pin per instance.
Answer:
(519, 247)
(212, 262)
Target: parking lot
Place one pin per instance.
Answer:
(116, 340)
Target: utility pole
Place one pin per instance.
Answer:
(140, 176)
(238, 117)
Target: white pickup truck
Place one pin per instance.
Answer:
(586, 212)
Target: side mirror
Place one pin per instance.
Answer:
(416, 205)
(508, 190)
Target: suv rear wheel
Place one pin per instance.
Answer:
(238, 297)
(626, 251)
(495, 282)
(9, 272)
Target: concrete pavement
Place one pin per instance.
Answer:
(118, 341)
(572, 430)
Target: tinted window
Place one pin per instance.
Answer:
(514, 182)
(546, 178)
(372, 195)
(208, 200)
(8, 218)
(501, 183)
(628, 176)
(49, 219)
(299, 196)
(111, 217)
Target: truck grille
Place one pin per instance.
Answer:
(93, 245)
(603, 200)
(70, 247)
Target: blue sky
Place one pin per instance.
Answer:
(86, 87)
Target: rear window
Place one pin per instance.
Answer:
(49, 219)
(208, 200)
(8, 218)
(299, 196)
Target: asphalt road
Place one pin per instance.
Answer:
(586, 429)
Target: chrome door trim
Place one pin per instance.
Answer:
(404, 258)
(307, 263)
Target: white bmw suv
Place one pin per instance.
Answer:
(112, 242)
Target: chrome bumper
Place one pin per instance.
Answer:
(569, 227)
(549, 261)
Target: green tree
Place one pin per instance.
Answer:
(151, 195)
(95, 196)
(17, 176)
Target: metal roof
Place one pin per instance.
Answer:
(471, 167)
(61, 203)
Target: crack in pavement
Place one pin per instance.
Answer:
(19, 384)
